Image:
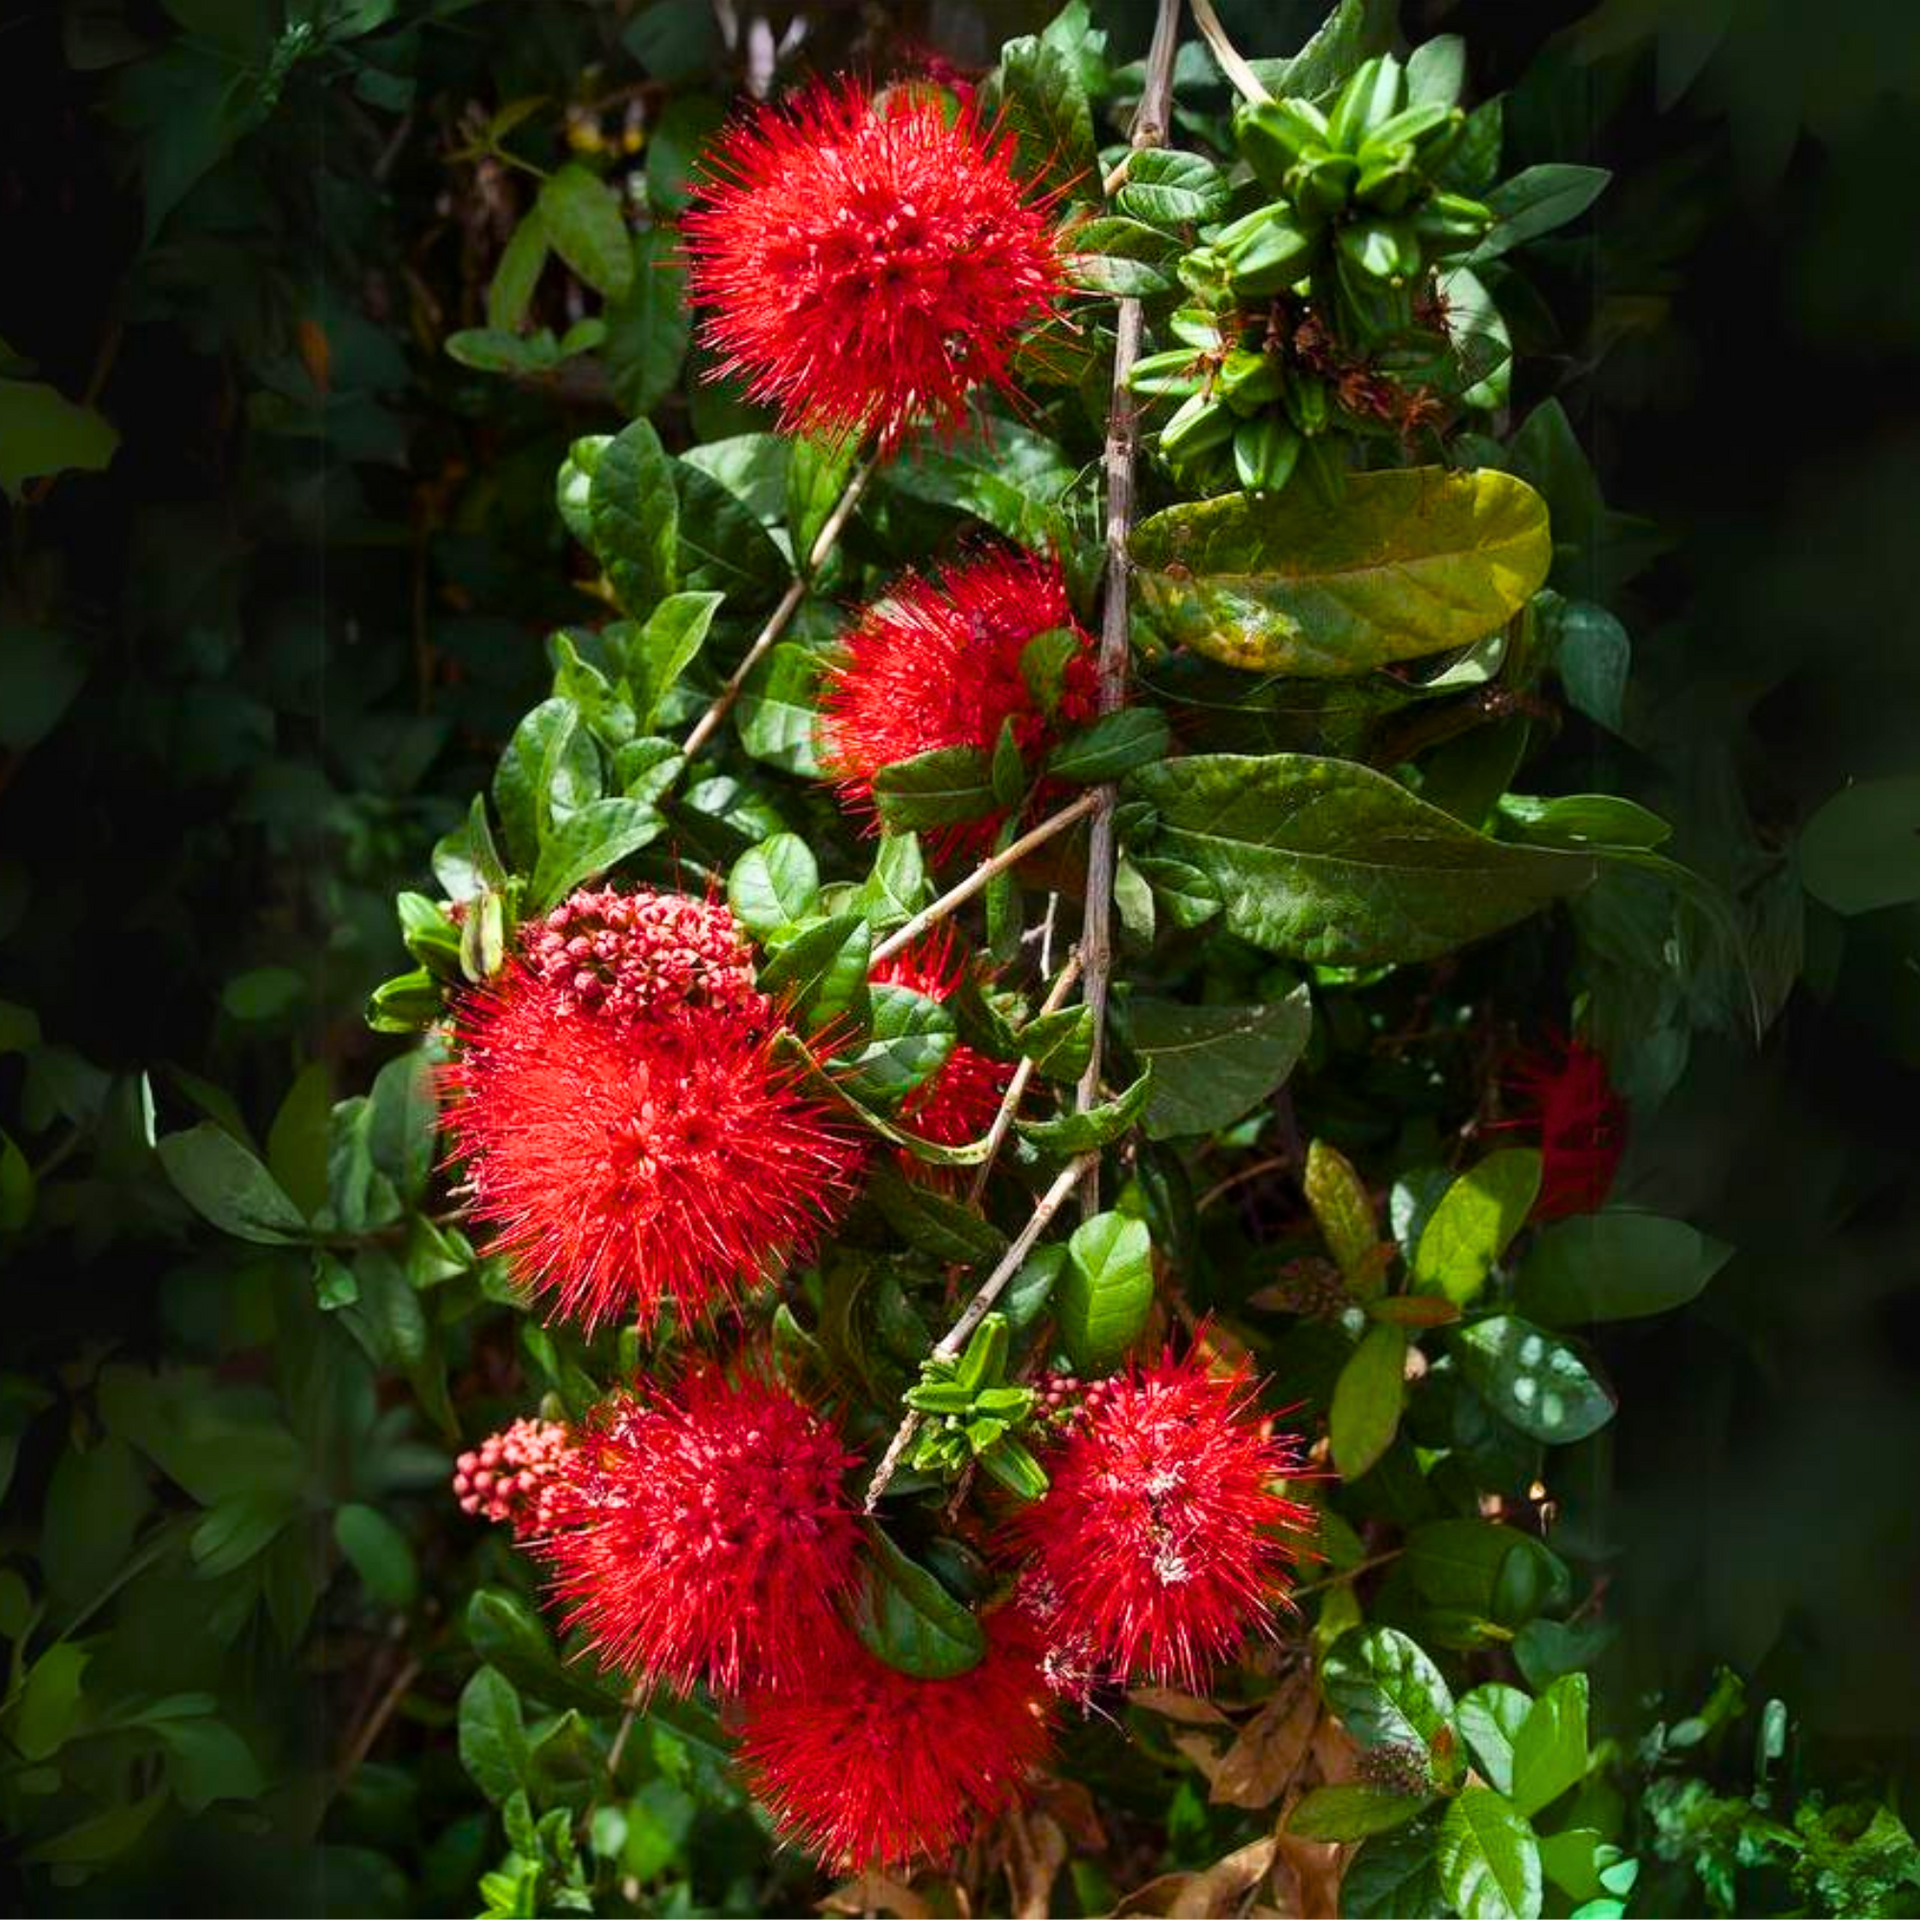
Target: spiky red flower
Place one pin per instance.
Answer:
(705, 1534)
(870, 1767)
(936, 663)
(1582, 1125)
(514, 1475)
(1162, 1539)
(866, 260)
(632, 1164)
(633, 954)
(957, 1103)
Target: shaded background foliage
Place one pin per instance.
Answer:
(254, 667)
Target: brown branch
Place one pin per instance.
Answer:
(797, 590)
(1245, 80)
(1017, 1086)
(1123, 444)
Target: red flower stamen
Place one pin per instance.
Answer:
(1582, 1124)
(959, 1102)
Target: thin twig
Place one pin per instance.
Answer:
(976, 1310)
(956, 897)
(1017, 1086)
(1246, 82)
(797, 589)
(635, 1701)
(1123, 442)
(375, 1724)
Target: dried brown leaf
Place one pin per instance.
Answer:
(876, 1893)
(1306, 1876)
(1178, 1706)
(1272, 1748)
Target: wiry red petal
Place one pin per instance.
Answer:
(959, 1102)
(1162, 1539)
(706, 1534)
(1582, 1124)
(870, 1767)
(865, 262)
(937, 664)
(634, 1164)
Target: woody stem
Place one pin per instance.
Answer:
(976, 1310)
(1123, 445)
(797, 590)
(957, 897)
(1017, 1086)
(1246, 82)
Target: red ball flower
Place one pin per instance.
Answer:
(1162, 1539)
(1582, 1124)
(634, 954)
(514, 1475)
(867, 260)
(706, 1534)
(937, 664)
(630, 1164)
(870, 1767)
(960, 1101)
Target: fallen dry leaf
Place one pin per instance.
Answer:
(1178, 1706)
(1306, 1876)
(1273, 1746)
(876, 1893)
(1036, 1852)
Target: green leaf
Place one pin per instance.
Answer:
(912, 1038)
(1043, 104)
(1096, 1127)
(821, 974)
(1330, 861)
(777, 715)
(43, 432)
(208, 1761)
(722, 547)
(1583, 820)
(1535, 201)
(817, 475)
(1546, 1649)
(1591, 652)
(493, 1736)
(1213, 1064)
(100, 1837)
(510, 292)
(506, 1633)
(1573, 1859)
(95, 1503)
(905, 1617)
(1550, 1750)
(40, 673)
(1477, 1568)
(648, 331)
(1172, 189)
(1617, 1264)
(1114, 744)
(897, 888)
(380, 1553)
(548, 762)
(1122, 258)
(1385, 1689)
(403, 1122)
(1352, 1812)
(1100, 1302)
(1015, 483)
(1488, 1859)
(1343, 1210)
(1059, 1043)
(935, 789)
(584, 221)
(1367, 1399)
(1861, 850)
(223, 1182)
(1475, 1221)
(587, 844)
(1352, 31)
(1489, 1719)
(945, 1230)
(493, 350)
(50, 1701)
(1533, 1378)
(773, 886)
(239, 1529)
(1413, 561)
(667, 646)
(633, 508)
(1392, 1877)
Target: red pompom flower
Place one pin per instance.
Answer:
(1582, 1124)
(937, 663)
(865, 260)
(514, 1475)
(1162, 1539)
(705, 1534)
(635, 1160)
(870, 1767)
(634, 954)
(959, 1102)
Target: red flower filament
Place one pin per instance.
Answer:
(868, 1766)
(937, 663)
(1162, 1539)
(959, 1101)
(706, 1535)
(1582, 1124)
(865, 261)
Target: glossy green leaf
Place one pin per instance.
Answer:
(517, 273)
(1533, 1378)
(493, 1735)
(1100, 1301)
(944, 1229)
(1059, 1043)
(587, 844)
(905, 1617)
(1393, 1877)
(911, 1039)
(1094, 1127)
(773, 886)
(1490, 1718)
(1861, 850)
(1385, 1689)
(1618, 1264)
(1330, 861)
(1353, 1811)
(1550, 1749)
(1535, 201)
(1367, 1399)
(648, 332)
(1475, 1221)
(821, 974)
(224, 1183)
(667, 646)
(777, 714)
(583, 220)
(381, 1554)
(721, 547)
(49, 1705)
(1114, 744)
(1343, 1210)
(633, 509)
(1172, 189)
(1213, 1064)
(1488, 1860)
(1043, 103)
(935, 789)
(1413, 561)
